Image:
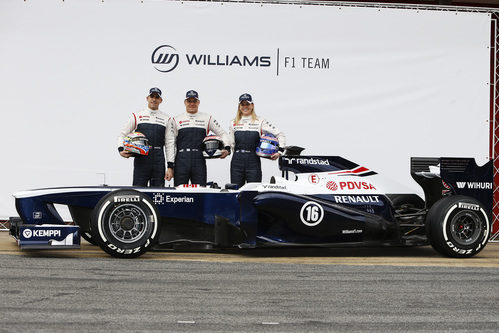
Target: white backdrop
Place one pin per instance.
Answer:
(391, 83)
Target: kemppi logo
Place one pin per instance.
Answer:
(27, 233)
(165, 58)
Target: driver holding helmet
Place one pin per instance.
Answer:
(186, 134)
(152, 123)
(245, 133)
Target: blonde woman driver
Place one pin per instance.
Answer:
(245, 132)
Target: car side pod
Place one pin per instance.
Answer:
(303, 219)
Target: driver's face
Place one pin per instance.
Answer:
(246, 108)
(153, 101)
(191, 105)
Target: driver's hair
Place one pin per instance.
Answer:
(239, 115)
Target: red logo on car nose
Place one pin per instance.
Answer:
(332, 186)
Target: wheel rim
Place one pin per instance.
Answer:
(127, 223)
(465, 227)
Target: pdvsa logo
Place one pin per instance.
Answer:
(357, 186)
(165, 58)
(332, 186)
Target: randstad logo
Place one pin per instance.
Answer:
(165, 58)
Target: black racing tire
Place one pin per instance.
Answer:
(125, 223)
(87, 235)
(458, 226)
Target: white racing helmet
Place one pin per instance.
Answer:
(212, 146)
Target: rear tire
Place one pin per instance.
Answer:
(125, 223)
(458, 226)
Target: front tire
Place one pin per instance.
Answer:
(125, 223)
(87, 235)
(458, 226)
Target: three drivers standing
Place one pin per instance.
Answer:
(182, 136)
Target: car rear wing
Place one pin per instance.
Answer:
(453, 175)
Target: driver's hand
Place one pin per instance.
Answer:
(275, 156)
(169, 174)
(125, 153)
(225, 153)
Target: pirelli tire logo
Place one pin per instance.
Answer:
(469, 206)
(127, 198)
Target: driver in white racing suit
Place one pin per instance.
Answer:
(244, 134)
(184, 143)
(148, 169)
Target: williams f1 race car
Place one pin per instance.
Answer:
(320, 201)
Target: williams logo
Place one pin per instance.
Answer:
(165, 58)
